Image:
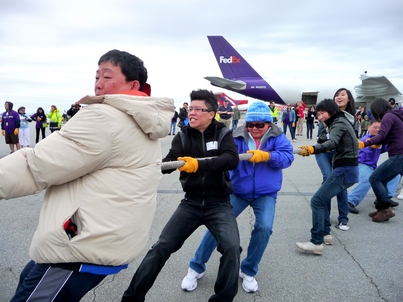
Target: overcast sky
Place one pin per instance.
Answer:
(50, 49)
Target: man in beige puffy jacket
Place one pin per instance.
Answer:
(99, 202)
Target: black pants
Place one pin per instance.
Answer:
(220, 221)
(37, 133)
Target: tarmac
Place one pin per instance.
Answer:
(363, 264)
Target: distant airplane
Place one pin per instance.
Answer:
(238, 75)
(375, 87)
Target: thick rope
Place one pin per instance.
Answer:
(179, 163)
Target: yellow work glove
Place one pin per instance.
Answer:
(39, 119)
(293, 124)
(306, 150)
(3, 132)
(360, 145)
(16, 131)
(258, 156)
(372, 146)
(191, 164)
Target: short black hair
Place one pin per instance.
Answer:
(207, 96)
(131, 66)
(379, 107)
(350, 105)
(329, 106)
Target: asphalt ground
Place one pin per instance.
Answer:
(363, 264)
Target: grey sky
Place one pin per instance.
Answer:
(49, 50)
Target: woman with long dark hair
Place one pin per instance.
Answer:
(390, 132)
(40, 126)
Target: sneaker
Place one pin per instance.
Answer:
(352, 209)
(249, 283)
(294, 140)
(328, 239)
(310, 247)
(342, 226)
(189, 283)
(383, 215)
(400, 196)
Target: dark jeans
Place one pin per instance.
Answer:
(37, 133)
(324, 161)
(309, 130)
(292, 130)
(320, 205)
(220, 221)
(41, 282)
(383, 174)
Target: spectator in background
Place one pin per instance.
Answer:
(172, 130)
(23, 133)
(300, 117)
(183, 116)
(274, 111)
(10, 124)
(310, 121)
(73, 110)
(225, 111)
(364, 126)
(55, 119)
(235, 117)
(41, 124)
(288, 119)
(393, 103)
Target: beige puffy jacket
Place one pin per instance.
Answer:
(102, 170)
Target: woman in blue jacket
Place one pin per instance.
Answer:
(255, 183)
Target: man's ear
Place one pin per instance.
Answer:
(135, 85)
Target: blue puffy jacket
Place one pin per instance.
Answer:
(251, 180)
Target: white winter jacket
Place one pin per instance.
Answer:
(102, 170)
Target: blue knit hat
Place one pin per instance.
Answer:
(258, 112)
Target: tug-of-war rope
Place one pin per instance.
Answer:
(179, 163)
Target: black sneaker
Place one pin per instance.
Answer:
(393, 203)
(352, 209)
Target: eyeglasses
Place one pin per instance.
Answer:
(257, 125)
(198, 109)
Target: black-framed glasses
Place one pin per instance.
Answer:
(198, 109)
(256, 125)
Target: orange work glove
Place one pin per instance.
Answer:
(38, 118)
(3, 132)
(306, 150)
(360, 145)
(16, 131)
(191, 164)
(258, 156)
(293, 124)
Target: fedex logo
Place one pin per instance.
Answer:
(230, 60)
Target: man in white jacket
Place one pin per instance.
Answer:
(99, 202)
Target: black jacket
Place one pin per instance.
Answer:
(211, 183)
(341, 139)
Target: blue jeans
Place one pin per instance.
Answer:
(324, 161)
(220, 220)
(42, 282)
(292, 131)
(383, 174)
(358, 193)
(234, 124)
(172, 130)
(264, 209)
(320, 205)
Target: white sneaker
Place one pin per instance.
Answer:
(310, 247)
(328, 239)
(400, 196)
(189, 283)
(249, 284)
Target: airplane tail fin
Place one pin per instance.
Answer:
(231, 63)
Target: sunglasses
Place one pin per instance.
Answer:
(257, 125)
